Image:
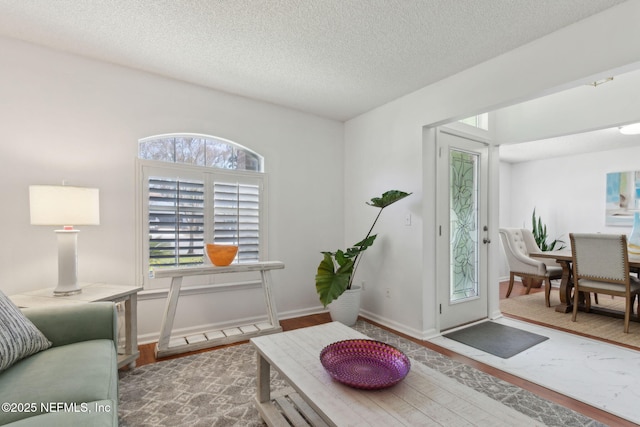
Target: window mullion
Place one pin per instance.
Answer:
(209, 225)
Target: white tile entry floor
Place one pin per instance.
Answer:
(603, 375)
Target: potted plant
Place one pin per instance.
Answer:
(337, 269)
(540, 235)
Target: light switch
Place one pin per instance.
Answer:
(407, 219)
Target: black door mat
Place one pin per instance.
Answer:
(497, 339)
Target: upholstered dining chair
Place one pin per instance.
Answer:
(514, 243)
(601, 265)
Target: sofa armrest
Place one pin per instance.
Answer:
(71, 323)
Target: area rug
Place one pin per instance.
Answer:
(532, 308)
(217, 388)
(493, 338)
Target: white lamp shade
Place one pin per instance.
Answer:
(633, 129)
(64, 205)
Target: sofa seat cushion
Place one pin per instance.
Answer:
(74, 373)
(92, 414)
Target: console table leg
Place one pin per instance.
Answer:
(169, 314)
(271, 307)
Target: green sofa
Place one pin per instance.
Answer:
(72, 383)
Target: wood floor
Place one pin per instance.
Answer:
(147, 356)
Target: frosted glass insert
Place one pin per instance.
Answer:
(464, 237)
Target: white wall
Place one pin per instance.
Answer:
(64, 117)
(570, 197)
(385, 149)
(504, 218)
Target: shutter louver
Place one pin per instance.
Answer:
(176, 222)
(236, 210)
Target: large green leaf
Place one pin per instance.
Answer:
(388, 198)
(364, 244)
(331, 283)
(361, 246)
(341, 257)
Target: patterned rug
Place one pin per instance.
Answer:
(217, 388)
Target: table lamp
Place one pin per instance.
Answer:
(632, 129)
(66, 206)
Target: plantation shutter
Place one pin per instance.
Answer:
(176, 221)
(236, 211)
(186, 207)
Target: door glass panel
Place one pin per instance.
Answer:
(464, 235)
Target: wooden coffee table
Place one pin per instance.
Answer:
(424, 397)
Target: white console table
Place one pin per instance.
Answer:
(168, 346)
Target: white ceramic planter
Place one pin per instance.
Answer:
(345, 309)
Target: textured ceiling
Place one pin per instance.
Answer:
(333, 58)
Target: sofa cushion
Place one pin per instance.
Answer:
(75, 373)
(19, 337)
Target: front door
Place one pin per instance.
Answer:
(462, 254)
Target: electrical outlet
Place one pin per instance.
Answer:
(387, 292)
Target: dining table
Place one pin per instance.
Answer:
(564, 258)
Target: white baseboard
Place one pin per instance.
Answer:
(414, 333)
(506, 279)
(292, 314)
(496, 314)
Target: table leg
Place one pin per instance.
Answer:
(566, 304)
(131, 326)
(268, 297)
(169, 314)
(263, 385)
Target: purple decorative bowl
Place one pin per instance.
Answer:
(365, 364)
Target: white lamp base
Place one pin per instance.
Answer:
(60, 293)
(67, 263)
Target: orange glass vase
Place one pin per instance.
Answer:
(221, 255)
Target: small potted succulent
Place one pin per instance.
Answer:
(539, 230)
(337, 269)
(540, 234)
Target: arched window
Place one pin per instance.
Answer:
(198, 189)
(199, 150)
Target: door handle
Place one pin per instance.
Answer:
(486, 239)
